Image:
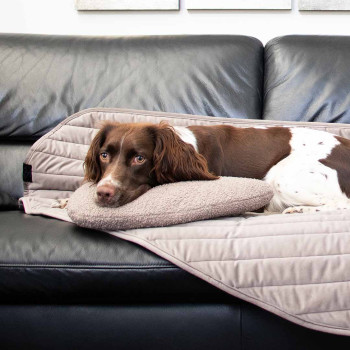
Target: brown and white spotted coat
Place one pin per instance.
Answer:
(308, 170)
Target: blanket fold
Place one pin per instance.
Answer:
(296, 266)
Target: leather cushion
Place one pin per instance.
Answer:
(43, 259)
(158, 326)
(307, 79)
(44, 79)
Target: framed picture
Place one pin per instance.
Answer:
(126, 5)
(324, 5)
(239, 4)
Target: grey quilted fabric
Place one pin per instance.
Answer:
(296, 266)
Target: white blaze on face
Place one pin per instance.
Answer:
(186, 135)
(108, 180)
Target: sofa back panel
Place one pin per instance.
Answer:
(12, 156)
(44, 79)
(307, 78)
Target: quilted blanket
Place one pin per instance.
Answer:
(296, 266)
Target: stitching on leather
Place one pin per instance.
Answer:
(87, 267)
(240, 327)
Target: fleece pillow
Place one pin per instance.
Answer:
(171, 204)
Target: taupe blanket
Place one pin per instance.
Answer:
(296, 266)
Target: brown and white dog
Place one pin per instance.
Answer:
(308, 170)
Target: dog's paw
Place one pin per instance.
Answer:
(294, 210)
(60, 203)
(302, 209)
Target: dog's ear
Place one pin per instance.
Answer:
(92, 166)
(174, 160)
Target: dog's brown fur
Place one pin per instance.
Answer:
(167, 158)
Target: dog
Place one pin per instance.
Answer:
(308, 170)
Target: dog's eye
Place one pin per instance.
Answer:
(104, 156)
(139, 159)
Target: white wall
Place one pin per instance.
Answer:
(60, 17)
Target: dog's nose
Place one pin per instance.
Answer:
(105, 193)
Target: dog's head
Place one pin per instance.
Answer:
(126, 160)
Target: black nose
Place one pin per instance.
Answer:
(105, 193)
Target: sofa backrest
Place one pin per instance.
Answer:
(307, 78)
(44, 79)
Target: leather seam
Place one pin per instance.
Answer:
(240, 327)
(87, 267)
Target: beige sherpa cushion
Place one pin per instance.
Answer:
(171, 204)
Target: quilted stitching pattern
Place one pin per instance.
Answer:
(297, 266)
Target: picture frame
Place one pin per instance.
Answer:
(126, 5)
(239, 4)
(324, 5)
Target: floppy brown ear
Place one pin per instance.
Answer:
(174, 160)
(92, 167)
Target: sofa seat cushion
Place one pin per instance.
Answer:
(43, 259)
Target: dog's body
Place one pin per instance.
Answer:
(308, 170)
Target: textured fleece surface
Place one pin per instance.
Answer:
(171, 204)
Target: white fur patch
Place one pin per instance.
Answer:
(300, 179)
(108, 180)
(309, 143)
(186, 135)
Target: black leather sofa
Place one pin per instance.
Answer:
(64, 287)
